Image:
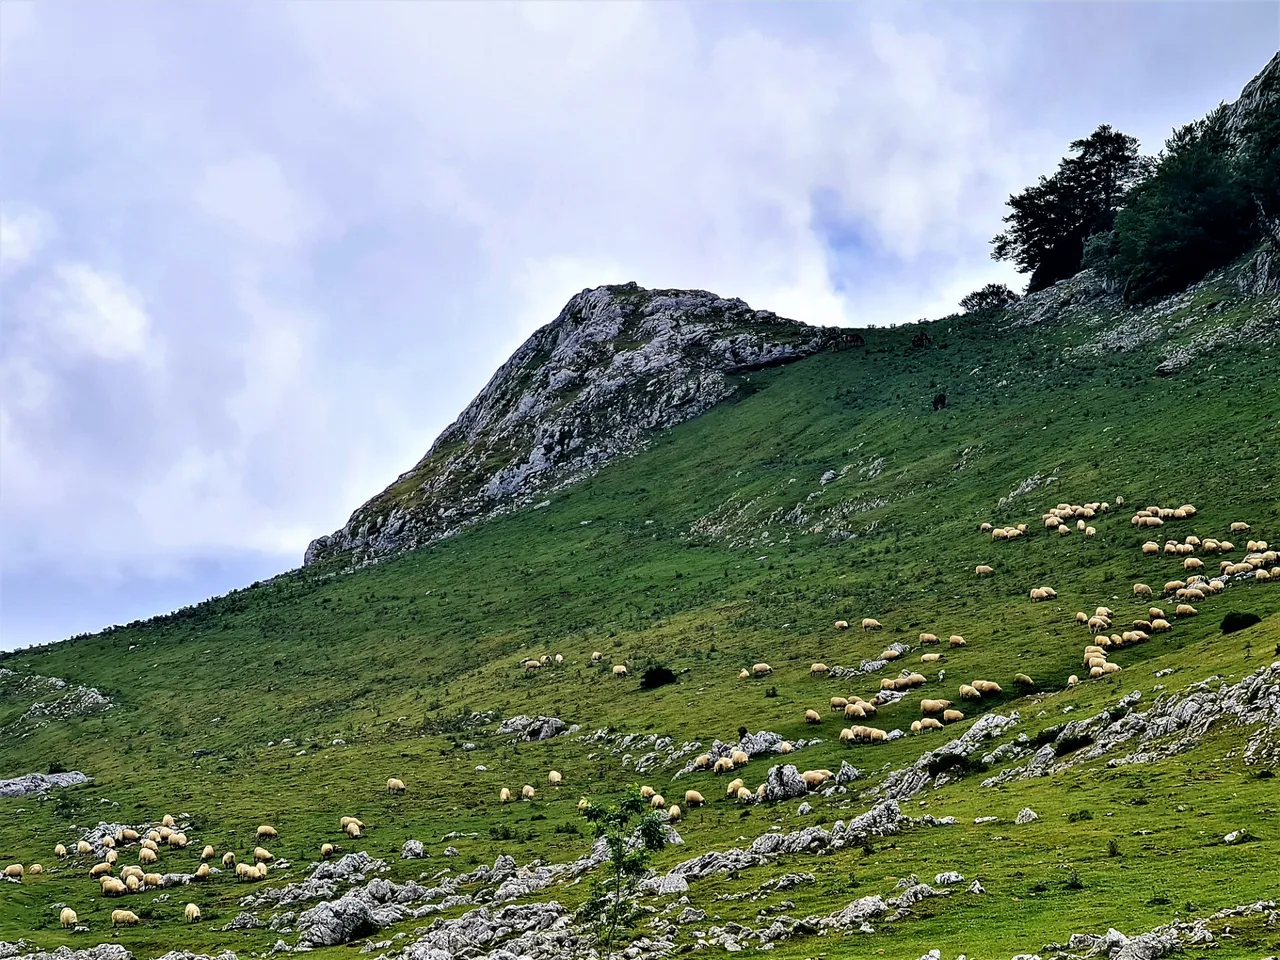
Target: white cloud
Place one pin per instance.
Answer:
(252, 194)
(94, 312)
(24, 232)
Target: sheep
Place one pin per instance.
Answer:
(839, 703)
(352, 830)
(955, 640)
(816, 778)
(739, 757)
(531, 666)
(657, 801)
(262, 855)
(674, 813)
(817, 669)
(1022, 680)
(846, 734)
(1161, 625)
(1081, 525)
(1240, 527)
(1096, 672)
(929, 639)
(1091, 531)
(1141, 590)
(99, 870)
(744, 674)
(929, 723)
(761, 669)
(596, 656)
(889, 654)
(15, 871)
(111, 887)
(202, 872)
(986, 686)
(59, 851)
(111, 856)
(1150, 547)
(812, 716)
(1082, 617)
(326, 849)
(559, 659)
(952, 716)
(228, 860)
(647, 792)
(1072, 682)
(167, 820)
(1173, 586)
(969, 692)
(1111, 668)
(745, 795)
(83, 847)
(1185, 610)
(192, 913)
(842, 624)
(984, 527)
(527, 792)
(854, 710)
(702, 762)
(1193, 563)
(108, 842)
(1051, 522)
(692, 798)
(68, 918)
(545, 659)
(395, 785)
(1064, 530)
(265, 832)
(1155, 613)
(915, 726)
(869, 624)
(934, 706)
(930, 657)
(208, 853)
(246, 872)
(1037, 594)
(983, 570)
(554, 778)
(147, 855)
(723, 765)
(734, 786)
(177, 840)
(124, 918)
(619, 669)
(129, 835)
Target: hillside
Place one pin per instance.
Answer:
(825, 489)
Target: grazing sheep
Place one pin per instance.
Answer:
(1193, 563)
(1096, 672)
(1072, 681)
(1082, 617)
(262, 855)
(842, 624)
(108, 842)
(986, 686)
(167, 820)
(1141, 590)
(889, 654)
(761, 669)
(734, 786)
(353, 830)
(984, 528)
(147, 855)
(929, 723)
(596, 656)
(983, 570)
(1161, 625)
(816, 778)
(839, 703)
(208, 853)
(619, 669)
(59, 851)
(111, 887)
(265, 832)
(1173, 586)
(246, 872)
(83, 847)
(934, 706)
(723, 765)
(111, 856)
(929, 639)
(846, 734)
(930, 657)
(855, 711)
(16, 870)
(969, 692)
(128, 835)
(177, 840)
(692, 798)
(531, 666)
(395, 785)
(1150, 547)
(1240, 527)
(202, 872)
(1064, 530)
(1185, 610)
(817, 669)
(192, 913)
(869, 624)
(1090, 531)
(657, 801)
(647, 792)
(326, 850)
(745, 795)
(545, 659)
(744, 674)
(1111, 668)
(674, 814)
(68, 918)
(952, 716)
(559, 659)
(915, 726)
(1022, 680)
(812, 716)
(702, 762)
(739, 758)
(527, 792)
(554, 779)
(228, 859)
(124, 918)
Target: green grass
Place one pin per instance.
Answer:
(683, 555)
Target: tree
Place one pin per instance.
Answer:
(632, 832)
(1050, 221)
(994, 296)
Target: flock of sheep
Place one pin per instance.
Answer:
(134, 878)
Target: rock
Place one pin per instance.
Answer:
(1027, 815)
(804, 809)
(856, 913)
(976, 888)
(665, 886)
(948, 878)
(243, 921)
(982, 820)
(1237, 836)
(847, 773)
(827, 477)
(451, 851)
(101, 951)
(784, 782)
(618, 364)
(411, 850)
(33, 783)
(691, 915)
(532, 728)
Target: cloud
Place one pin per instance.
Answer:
(252, 195)
(93, 311)
(24, 233)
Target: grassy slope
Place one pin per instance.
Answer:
(383, 657)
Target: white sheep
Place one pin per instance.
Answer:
(842, 624)
(68, 918)
(619, 669)
(692, 798)
(761, 669)
(955, 640)
(326, 851)
(983, 570)
(817, 669)
(527, 792)
(262, 855)
(869, 624)
(265, 832)
(192, 913)
(124, 918)
(812, 716)
(395, 785)
(554, 778)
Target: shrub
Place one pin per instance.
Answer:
(659, 675)
(994, 296)
(1235, 620)
(1113, 848)
(1074, 882)
(56, 766)
(1077, 815)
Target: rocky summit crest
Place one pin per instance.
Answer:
(618, 364)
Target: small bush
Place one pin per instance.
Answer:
(659, 675)
(1077, 815)
(56, 766)
(1235, 620)
(771, 692)
(1074, 882)
(1113, 848)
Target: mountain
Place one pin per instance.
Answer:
(618, 364)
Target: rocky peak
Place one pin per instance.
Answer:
(619, 364)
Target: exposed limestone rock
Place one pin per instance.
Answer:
(532, 728)
(618, 364)
(32, 783)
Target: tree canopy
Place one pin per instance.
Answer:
(994, 296)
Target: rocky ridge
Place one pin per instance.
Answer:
(619, 364)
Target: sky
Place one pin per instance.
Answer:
(255, 256)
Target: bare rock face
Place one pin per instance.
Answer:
(618, 364)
